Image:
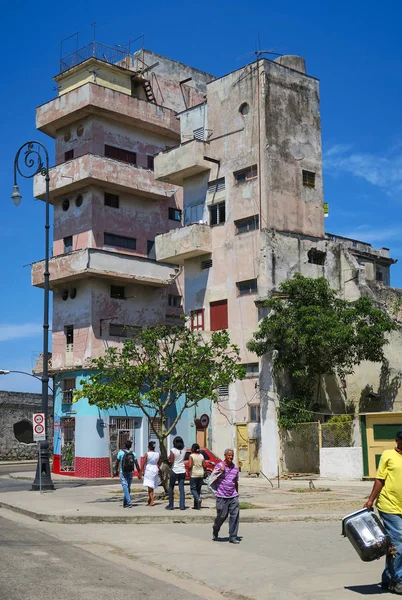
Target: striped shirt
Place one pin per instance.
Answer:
(226, 483)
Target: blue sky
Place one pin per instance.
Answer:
(354, 48)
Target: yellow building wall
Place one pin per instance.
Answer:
(106, 75)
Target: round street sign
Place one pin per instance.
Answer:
(38, 418)
(39, 428)
(204, 421)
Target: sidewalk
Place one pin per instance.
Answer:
(259, 502)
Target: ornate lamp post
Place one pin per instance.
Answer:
(33, 159)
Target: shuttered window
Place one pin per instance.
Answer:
(249, 224)
(119, 241)
(217, 214)
(112, 200)
(197, 319)
(121, 154)
(216, 186)
(218, 315)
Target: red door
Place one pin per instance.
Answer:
(219, 315)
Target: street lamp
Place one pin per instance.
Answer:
(8, 371)
(33, 159)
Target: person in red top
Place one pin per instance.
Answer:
(227, 497)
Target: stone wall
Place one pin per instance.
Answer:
(15, 407)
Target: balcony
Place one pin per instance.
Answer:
(91, 98)
(102, 263)
(91, 169)
(186, 160)
(186, 242)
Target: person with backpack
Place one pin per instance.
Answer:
(126, 460)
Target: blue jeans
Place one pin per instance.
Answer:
(180, 478)
(195, 489)
(393, 562)
(126, 478)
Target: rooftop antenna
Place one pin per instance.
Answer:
(94, 26)
(258, 53)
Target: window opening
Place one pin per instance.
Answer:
(121, 154)
(68, 155)
(247, 287)
(316, 257)
(217, 214)
(223, 390)
(199, 133)
(254, 413)
(64, 295)
(78, 200)
(248, 224)
(150, 163)
(175, 214)
(197, 319)
(252, 369)
(378, 275)
(112, 200)
(117, 292)
(69, 335)
(175, 301)
(206, 264)
(68, 389)
(246, 174)
(120, 241)
(309, 179)
(244, 109)
(73, 293)
(68, 244)
(216, 186)
(65, 205)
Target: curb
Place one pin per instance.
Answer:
(161, 519)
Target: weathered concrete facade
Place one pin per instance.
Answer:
(16, 409)
(110, 119)
(250, 165)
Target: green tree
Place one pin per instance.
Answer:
(312, 332)
(155, 367)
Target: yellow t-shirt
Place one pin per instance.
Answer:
(390, 469)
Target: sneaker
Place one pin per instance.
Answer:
(396, 588)
(214, 537)
(234, 541)
(169, 507)
(128, 506)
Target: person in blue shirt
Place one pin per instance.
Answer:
(126, 460)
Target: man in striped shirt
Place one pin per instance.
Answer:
(227, 497)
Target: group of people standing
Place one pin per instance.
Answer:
(225, 477)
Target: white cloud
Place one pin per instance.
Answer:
(381, 170)
(23, 330)
(368, 234)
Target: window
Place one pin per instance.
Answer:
(112, 200)
(69, 155)
(69, 335)
(194, 214)
(206, 264)
(244, 109)
(150, 163)
(117, 291)
(68, 244)
(223, 390)
(197, 319)
(378, 275)
(78, 200)
(217, 214)
(249, 224)
(219, 315)
(247, 287)
(73, 293)
(199, 134)
(216, 186)
(116, 330)
(252, 369)
(254, 413)
(120, 241)
(316, 257)
(246, 174)
(174, 301)
(65, 205)
(121, 154)
(64, 295)
(174, 214)
(68, 390)
(309, 179)
(150, 248)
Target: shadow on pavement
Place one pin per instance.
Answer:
(367, 590)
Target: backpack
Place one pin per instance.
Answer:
(128, 462)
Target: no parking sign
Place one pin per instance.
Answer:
(39, 432)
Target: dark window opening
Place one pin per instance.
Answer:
(112, 200)
(120, 241)
(65, 205)
(309, 179)
(150, 163)
(69, 334)
(246, 174)
(23, 431)
(78, 200)
(252, 369)
(206, 264)
(254, 413)
(117, 291)
(316, 257)
(64, 295)
(68, 244)
(174, 301)
(73, 293)
(151, 249)
(244, 109)
(117, 330)
(121, 154)
(378, 275)
(217, 214)
(247, 287)
(248, 224)
(175, 214)
(197, 319)
(218, 315)
(68, 389)
(68, 155)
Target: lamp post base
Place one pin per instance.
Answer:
(43, 480)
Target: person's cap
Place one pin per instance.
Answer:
(399, 435)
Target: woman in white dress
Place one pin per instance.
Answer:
(150, 470)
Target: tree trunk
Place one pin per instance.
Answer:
(165, 467)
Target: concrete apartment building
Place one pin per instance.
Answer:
(114, 112)
(250, 165)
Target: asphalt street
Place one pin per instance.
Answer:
(36, 566)
(13, 485)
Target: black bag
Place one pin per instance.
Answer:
(128, 462)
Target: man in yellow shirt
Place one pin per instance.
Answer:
(387, 489)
